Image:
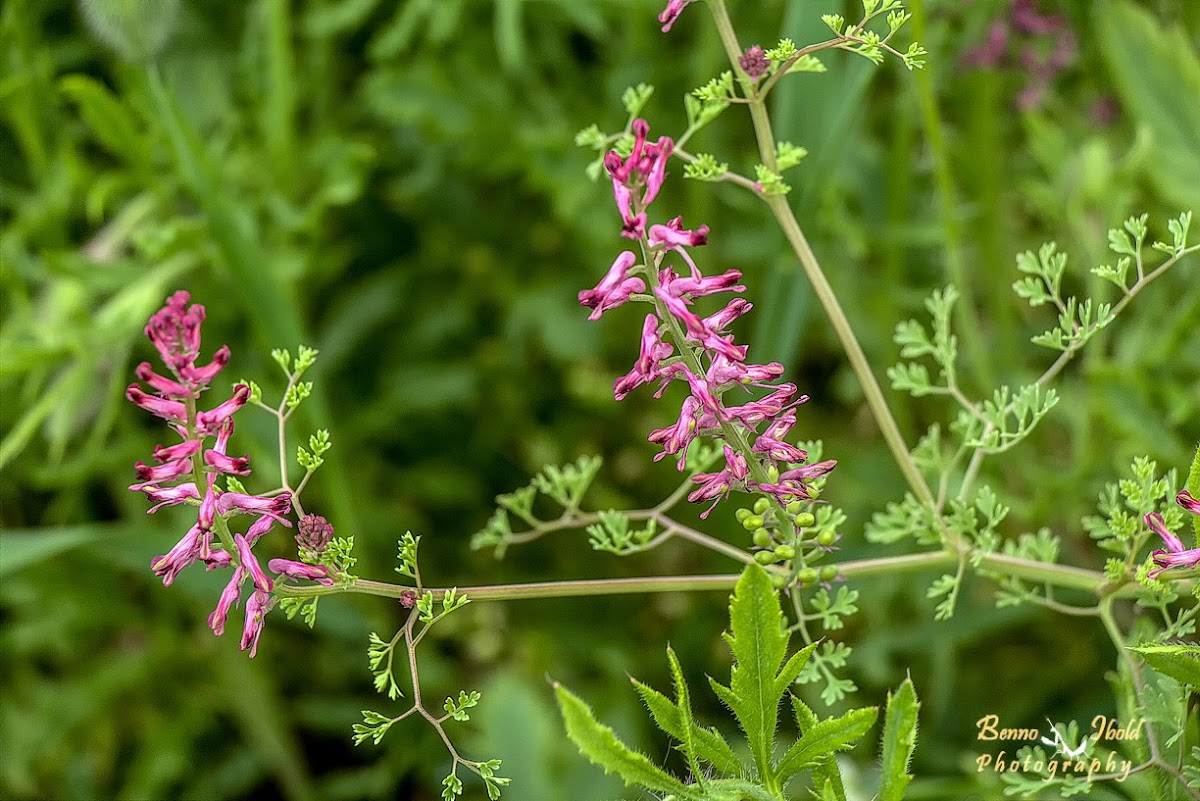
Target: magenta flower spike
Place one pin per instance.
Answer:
(175, 333)
(708, 359)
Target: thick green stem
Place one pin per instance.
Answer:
(812, 268)
(1059, 575)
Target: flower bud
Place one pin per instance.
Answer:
(829, 572)
(826, 537)
(762, 538)
(761, 506)
(785, 552)
(807, 576)
(765, 558)
(753, 523)
(804, 520)
(314, 533)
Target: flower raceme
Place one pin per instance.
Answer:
(678, 344)
(1174, 555)
(187, 472)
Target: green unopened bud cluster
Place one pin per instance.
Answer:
(791, 533)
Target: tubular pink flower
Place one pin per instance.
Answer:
(169, 410)
(161, 384)
(229, 596)
(181, 451)
(212, 419)
(614, 289)
(257, 607)
(671, 13)
(260, 527)
(250, 563)
(208, 505)
(299, 570)
(696, 329)
(657, 173)
(673, 235)
(808, 472)
(183, 554)
(782, 423)
(754, 413)
(699, 285)
(715, 486)
(779, 451)
(1175, 555)
(169, 496)
(676, 438)
(1158, 526)
(274, 507)
(721, 320)
(163, 472)
(202, 376)
(217, 559)
(234, 465)
(653, 351)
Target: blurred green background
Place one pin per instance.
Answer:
(396, 184)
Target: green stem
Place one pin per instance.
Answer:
(812, 268)
(1058, 575)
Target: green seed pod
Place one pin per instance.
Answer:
(826, 537)
(804, 520)
(773, 473)
(829, 572)
(761, 506)
(742, 513)
(762, 538)
(807, 576)
(794, 507)
(753, 523)
(764, 558)
(785, 552)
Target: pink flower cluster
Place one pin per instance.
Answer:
(1038, 32)
(1175, 555)
(172, 480)
(752, 433)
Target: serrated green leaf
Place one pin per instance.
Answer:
(600, 745)
(758, 642)
(825, 738)
(1180, 662)
(709, 745)
(899, 740)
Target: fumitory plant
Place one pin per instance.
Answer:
(732, 435)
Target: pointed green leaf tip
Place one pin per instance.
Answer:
(899, 740)
(1180, 662)
(600, 745)
(757, 682)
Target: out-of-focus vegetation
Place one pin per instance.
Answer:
(396, 184)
